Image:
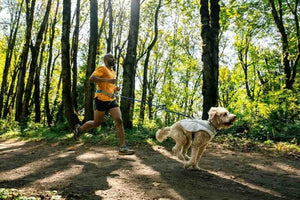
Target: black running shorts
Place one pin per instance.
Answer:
(105, 105)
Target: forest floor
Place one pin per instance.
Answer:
(89, 171)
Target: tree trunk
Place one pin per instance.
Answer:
(10, 93)
(48, 70)
(89, 87)
(243, 57)
(66, 66)
(245, 69)
(24, 57)
(56, 95)
(150, 101)
(155, 77)
(34, 58)
(130, 65)
(101, 29)
(289, 70)
(74, 55)
(118, 34)
(9, 54)
(210, 55)
(145, 75)
(110, 31)
(60, 113)
(36, 93)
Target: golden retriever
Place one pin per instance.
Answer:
(196, 133)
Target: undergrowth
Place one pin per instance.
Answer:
(236, 138)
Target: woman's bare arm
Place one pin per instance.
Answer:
(95, 79)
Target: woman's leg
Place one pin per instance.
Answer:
(117, 117)
(98, 119)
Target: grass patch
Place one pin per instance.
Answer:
(138, 136)
(15, 194)
(35, 132)
(247, 144)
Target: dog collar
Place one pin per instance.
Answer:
(212, 125)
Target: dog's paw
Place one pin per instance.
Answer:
(180, 156)
(187, 165)
(195, 167)
(186, 157)
(175, 150)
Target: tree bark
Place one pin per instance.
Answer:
(289, 70)
(210, 56)
(36, 93)
(56, 96)
(48, 70)
(74, 55)
(24, 56)
(34, 58)
(9, 54)
(10, 93)
(66, 66)
(145, 74)
(118, 35)
(101, 29)
(243, 57)
(89, 87)
(110, 31)
(130, 65)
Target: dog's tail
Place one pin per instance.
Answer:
(162, 134)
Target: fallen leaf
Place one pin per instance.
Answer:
(156, 184)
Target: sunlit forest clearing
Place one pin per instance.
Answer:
(170, 60)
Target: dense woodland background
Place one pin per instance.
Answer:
(182, 55)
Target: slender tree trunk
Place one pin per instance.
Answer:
(60, 113)
(245, 69)
(34, 58)
(289, 69)
(74, 55)
(152, 83)
(36, 93)
(66, 66)
(48, 70)
(243, 57)
(110, 31)
(89, 87)
(145, 75)
(56, 95)
(9, 54)
(10, 93)
(150, 101)
(118, 47)
(24, 56)
(101, 29)
(130, 65)
(210, 56)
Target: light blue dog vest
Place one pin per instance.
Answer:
(194, 125)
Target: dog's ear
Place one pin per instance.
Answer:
(212, 112)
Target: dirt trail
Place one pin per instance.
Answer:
(83, 171)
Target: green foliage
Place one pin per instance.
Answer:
(275, 117)
(34, 131)
(2, 53)
(246, 145)
(15, 194)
